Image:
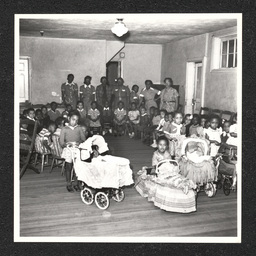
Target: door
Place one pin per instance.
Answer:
(193, 93)
(23, 80)
(113, 71)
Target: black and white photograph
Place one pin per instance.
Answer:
(128, 127)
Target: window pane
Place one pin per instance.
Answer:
(231, 46)
(224, 61)
(230, 60)
(224, 47)
(236, 61)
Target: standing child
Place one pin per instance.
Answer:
(71, 136)
(133, 120)
(94, 118)
(107, 118)
(212, 134)
(134, 96)
(144, 121)
(67, 110)
(159, 128)
(53, 112)
(87, 93)
(82, 112)
(120, 116)
(195, 128)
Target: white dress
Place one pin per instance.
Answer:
(213, 135)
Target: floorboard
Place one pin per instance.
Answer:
(47, 209)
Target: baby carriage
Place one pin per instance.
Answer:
(103, 176)
(227, 169)
(165, 187)
(197, 165)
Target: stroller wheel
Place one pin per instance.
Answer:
(101, 200)
(210, 189)
(226, 187)
(118, 195)
(87, 196)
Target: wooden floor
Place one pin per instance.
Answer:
(47, 209)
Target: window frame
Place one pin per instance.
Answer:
(227, 39)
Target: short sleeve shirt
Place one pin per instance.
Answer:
(94, 113)
(157, 157)
(87, 92)
(70, 92)
(120, 114)
(149, 94)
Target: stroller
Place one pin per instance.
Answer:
(197, 165)
(103, 176)
(227, 169)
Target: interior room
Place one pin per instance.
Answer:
(199, 54)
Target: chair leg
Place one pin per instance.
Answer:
(53, 160)
(36, 156)
(42, 164)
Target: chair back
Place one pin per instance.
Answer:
(204, 111)
(56, 148)
(227, 115)
(216, 112)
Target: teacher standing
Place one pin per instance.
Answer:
(169, 96)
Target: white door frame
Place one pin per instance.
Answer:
(190, 83)
(29, 75)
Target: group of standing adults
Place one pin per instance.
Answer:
(112, 94)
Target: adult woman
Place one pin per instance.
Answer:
(103, 92)
(148, 94)
(169, 96)
(121, 93)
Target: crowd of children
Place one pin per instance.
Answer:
(74, 125)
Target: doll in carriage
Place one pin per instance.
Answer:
(163, 184)
(197, 164)
(103, 176)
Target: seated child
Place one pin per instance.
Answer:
(39, 118)
(24, 137)
(133, 120)
(134, 96)
(159, 128)
(31, 121)
(43, 141)
(168, 174)
(120, 116)
(71, 136)
(144, 121)
(66, 112)
(232, 140)
(176, 134)
(106, 119)
(212, 134)
(60, 123)
(45, 116)
(195, 129)
(82, 112)
(94, 118)
(187, 123)
(53, 112)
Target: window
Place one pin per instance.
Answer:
(228, 53)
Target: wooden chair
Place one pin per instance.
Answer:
(227, 115)
(56, 150)
(27, 153)
(204, 111)
(217, 112)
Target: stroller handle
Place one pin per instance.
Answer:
(166, 161)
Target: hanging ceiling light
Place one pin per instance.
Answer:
(119, 28)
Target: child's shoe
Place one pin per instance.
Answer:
(130, 135)
(133, 134)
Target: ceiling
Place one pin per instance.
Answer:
(143, 28)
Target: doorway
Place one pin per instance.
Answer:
(113, 71)
(194, 87)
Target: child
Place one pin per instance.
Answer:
(60, 123)
(24, 114)
(43, 139)
(24, 136)
(133, 120)
(187, 123)
(107, 118)
(175, 133)
(45, 116)
(212, 134)
(134, 96)
(87, 93)
(232, 140)
(31, 121)
(195, 128)
(159, 128)
(53, 113)
(204, 119)
(39, 118)
(120, 116)
(82, 112)
(144, 121)
(71, 135)
(94, 118)
(66, 112)
(224, 136)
